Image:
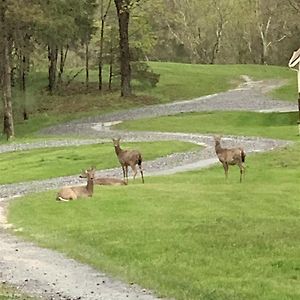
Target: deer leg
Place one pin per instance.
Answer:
(133, 167)
(126, 173)
(225, 165)
(141, 170)
(242, 171)
(123, 169)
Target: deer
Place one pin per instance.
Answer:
(104, 180)
(75, 192)
(128, 158)
(230, 156)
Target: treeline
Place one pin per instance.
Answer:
(123, 34)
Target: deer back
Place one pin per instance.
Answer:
(229, 155)
(109, 181)
(129, 157)
(66, 193)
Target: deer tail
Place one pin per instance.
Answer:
(140, 166)
(243, 155)
(139, 162)
(61, 199)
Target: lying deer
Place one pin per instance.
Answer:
(75, 192)
(231, 156)
(105, 180)
(128, 158)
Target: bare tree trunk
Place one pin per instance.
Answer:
(22, 82)
(5, 54)
(62, 61)
(220, 27)
(100, 63)
(101, 54)
(8, 123)
(123, 17)
(87, 65)
(111, 61)
(52, 56)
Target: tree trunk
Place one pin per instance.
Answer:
(100, 63)
(8, 123)
(101, 54)
(62, 61)
(5, 54)
(123, 17)
(111, 61)
(52, 56)
(22, 82)
(87, 65)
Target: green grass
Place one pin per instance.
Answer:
(187, 236)
(274, 125)
(45, 163)
(177, 82)
(185, 81)
(9, 293)
(190, 235)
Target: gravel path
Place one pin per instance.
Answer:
(51, 275)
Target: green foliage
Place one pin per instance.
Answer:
(144, 74)
(46, 163)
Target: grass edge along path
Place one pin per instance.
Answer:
(271, 125)
(44, 163)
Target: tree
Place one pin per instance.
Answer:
(5, 51)
(123, 7)
(103, 15)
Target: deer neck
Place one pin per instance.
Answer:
(90, 187)
(118, 150)
(218, 147)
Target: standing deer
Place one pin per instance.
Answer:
(105, 180)
(75, 192)
(231, 156)
(128, 158)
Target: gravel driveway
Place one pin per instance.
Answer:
(51, 275)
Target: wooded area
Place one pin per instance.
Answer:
(120, 34)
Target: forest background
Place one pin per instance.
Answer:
(117, 38)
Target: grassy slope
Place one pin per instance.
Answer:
(188, 236)
(276, 125)
(53, 162)
(185, 81)
(191, 235)
(177, 82)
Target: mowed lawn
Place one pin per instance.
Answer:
(177, 82)
(46, 163)
(193, 235)
(187, 236)
(273, 125)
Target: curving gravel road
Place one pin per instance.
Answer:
(50, 275)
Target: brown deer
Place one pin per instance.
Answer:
(105, 180)
(75, 192)
(230, 156)
(128, 158)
